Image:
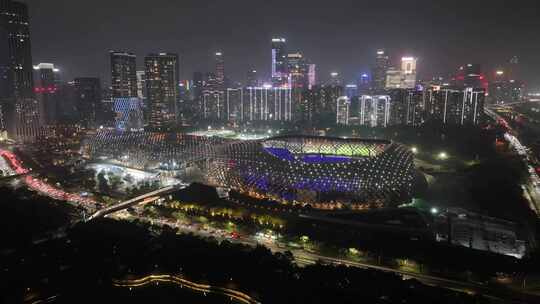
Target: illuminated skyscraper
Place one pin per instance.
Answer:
(404, 78)
(342, 110)
(379, 69)
(279, 62)
(46, 90)
(20, 108)
(162, 72)
(455, 105)
(220, 70)
(298, 70)
(123, 74)
(312, 76)
(374, 111)
(141, 87)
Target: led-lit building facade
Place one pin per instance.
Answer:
(161, 79)
(342, 110)
(259, 104)
(214, 105)
(325, 173)
(405, 77)
(128, 114)
(455, 105)
(374, 110)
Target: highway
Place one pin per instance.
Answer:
(532, 188)
(304, 258)
(182, 282)
(41, 186)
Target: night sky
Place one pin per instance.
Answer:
(337, 35)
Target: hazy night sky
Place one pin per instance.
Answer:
(339, 35)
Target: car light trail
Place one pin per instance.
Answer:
(40, 186)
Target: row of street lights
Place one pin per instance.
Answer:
(441, 156)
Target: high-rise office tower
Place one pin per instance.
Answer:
(279, 62)
(123, 74)
(379, 69)
(251, 78)
(21, 111)
(141, 87)
(220, 70)
(335, 79)
(406, 107)
(298, 71)
(312, 75)
(253, 104)
(408, 68)
(46, 90)
(473, 76)
(374, 111)
(363, 83)
(318, 105)
(162, 71)
(455, 105)
(403, 78)
(342, 110)
(88, 101)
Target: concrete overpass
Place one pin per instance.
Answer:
(135, 201)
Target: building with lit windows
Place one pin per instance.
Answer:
(46, 91)
(407, 107)
(141, 87)
(378, 71)
(298, 71)
(123, 74)
(312, 75)
(128, 114)
(318, 105)
(21, 111)
(374, 110)
(280, 72)
(259, 104)
(455, 105)
(161, 79)
(251, 78)
(88, 101)
(214, 105)
(342, 110)
(220, 71)
(322, 172)
(405, 77)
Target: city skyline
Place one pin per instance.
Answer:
(442, 37)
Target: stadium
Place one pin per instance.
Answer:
(323, 172)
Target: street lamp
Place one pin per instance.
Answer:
(434, 210)
(442, 156)
(414, 150)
